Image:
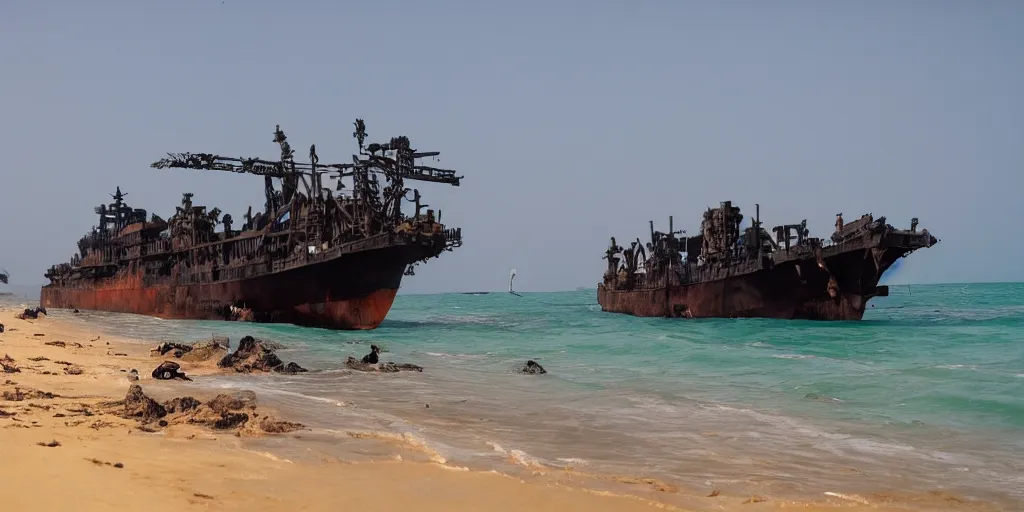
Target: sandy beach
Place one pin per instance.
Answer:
(64, 442)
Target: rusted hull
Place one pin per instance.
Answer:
(354, 291)
(780, 292)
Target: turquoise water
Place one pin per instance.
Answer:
(927, 392)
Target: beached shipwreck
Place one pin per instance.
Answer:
(728, 272)
(313, 256)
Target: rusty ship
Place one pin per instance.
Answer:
(313, 257)
(729, 272)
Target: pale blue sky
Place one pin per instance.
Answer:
(572, 121)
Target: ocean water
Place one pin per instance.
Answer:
(926, 393)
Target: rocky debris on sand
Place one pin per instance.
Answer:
(181, 404)
(272, 426)
(273, 345)
(1, 328)
(225, 403)
(231, 420)
(223, 412)
(141, 407)
(60, 344)
(202, 350)
(532, 368)
(383, 367)
(169, 370)
(255, 355)
(7, 363)
(29, 394)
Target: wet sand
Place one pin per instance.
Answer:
(74, 451)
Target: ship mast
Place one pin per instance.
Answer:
(369, 209)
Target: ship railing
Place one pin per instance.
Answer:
(453, 237)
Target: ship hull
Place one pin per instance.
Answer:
(351, 292)
(791, 290)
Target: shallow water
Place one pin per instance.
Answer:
(926, 393)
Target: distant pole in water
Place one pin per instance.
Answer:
(511, 276)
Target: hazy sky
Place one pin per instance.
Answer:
(572, 121)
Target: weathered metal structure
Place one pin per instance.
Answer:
(729, 272)
(312, 257)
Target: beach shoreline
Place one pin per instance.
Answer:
(188, 465)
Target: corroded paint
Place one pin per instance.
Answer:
(363, 313)
(349, 292)
(779, 292)
(352, 314)
(731, 272)
(310, 257)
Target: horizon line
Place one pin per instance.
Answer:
(588, 288)
(595, 287)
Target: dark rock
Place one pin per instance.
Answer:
(1, 327)
(223, 404)
(385, 367)
(141, 407)
(32, 313)
(223, 412)
(18, 395)
(255, 355)
(203, 350)
(279, 426)
(7, 363)
(181, 404)
(292, 368)
(230, 420)
(169, 370)
(532, 368)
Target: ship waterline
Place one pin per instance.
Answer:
(311, 258)
(782, 293)
(333, 294)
